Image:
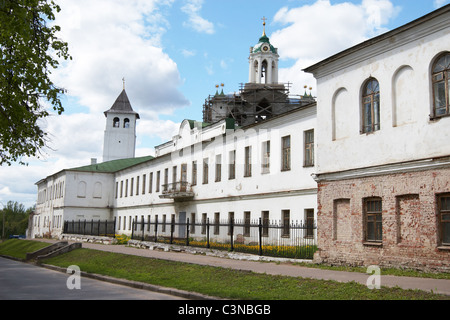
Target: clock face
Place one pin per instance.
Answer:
(265, 48)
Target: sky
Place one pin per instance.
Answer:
(172, 54)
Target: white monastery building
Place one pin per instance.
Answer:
(383, 148)
(369, 161)
(255, 160)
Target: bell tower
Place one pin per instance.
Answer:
(263, 60)
(120, 132)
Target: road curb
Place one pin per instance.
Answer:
(137, 285)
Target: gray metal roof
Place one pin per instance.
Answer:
(122, 105)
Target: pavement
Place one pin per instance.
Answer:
(274, 266)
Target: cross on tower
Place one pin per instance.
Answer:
(264, 19)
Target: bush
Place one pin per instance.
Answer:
(122, 239)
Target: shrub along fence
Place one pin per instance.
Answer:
(290, 240)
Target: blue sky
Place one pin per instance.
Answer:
(172, 53)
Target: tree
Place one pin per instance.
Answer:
(16, 218)
(30, 51)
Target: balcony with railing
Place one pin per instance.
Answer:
(177, 191)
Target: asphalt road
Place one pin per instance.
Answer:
(21, 281)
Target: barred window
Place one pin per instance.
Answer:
(373, 217)
(441, 85)
(248, 162)
(232, 165)
(286, 153)
(265, 163)
(205, 170)
(194, 173)
(309, 148)
(444, 219)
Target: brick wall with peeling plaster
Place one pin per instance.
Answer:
(409, 221)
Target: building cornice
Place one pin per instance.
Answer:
(395, 168)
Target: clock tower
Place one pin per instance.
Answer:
(263, 61)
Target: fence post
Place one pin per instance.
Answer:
(187, 232)
(114, 227)
(132, 229)
(172, 229)
(142, 229)
(260, 236)
(207, 233)
(156, 230)
(231, 234)
(98, 228)
(106, 227)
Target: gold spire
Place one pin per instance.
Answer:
(264, 24)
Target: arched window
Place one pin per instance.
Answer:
(441, 85)
(116, 123)
(126, 123)
(264, 69)
(371, 106)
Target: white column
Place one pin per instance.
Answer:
(269, 72)
(258, 76)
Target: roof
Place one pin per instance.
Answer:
(122, 105)
(264, 39)
(112, 166)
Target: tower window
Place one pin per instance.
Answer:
(116, 123)
(126, 123)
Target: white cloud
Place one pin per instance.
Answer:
(188, 53)
(192, 8)
(314, 32)
(112, 39)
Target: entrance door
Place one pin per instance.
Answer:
(182, 225)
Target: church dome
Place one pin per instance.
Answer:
(264, 45)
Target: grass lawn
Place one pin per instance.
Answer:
(218, 282)
(226, 283)
(19, 248)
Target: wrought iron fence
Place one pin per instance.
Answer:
(292, 240)
(105, 228)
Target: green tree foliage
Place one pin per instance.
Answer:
(16, 218)
(30, 51)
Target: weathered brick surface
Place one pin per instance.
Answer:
(409, 218)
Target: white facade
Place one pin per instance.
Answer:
(221, 184)
(71, 195)
(383, 158)
(401, 63)
(243, 175)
